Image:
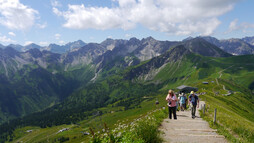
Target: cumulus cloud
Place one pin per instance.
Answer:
(12, 34)
(57, 36)
(127, 35)
(61, 42)
(43, 43)
(178, 17)
(41, 26)
(55, 3)
(4, 39)
(15, 15)
(235, 26)
(28, 43)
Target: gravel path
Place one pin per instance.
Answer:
(188, 130)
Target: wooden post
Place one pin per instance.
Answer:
(204, 109)
(215, 112)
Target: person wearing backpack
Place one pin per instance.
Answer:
(193, 102)
(182, 99)
(172, 99)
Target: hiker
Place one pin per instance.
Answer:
(172, 99)
(182, 101)
(193, 102)
(186, 100)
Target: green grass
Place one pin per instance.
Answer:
(234, 112)
(111, 116)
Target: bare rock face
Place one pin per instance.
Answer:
(234, 46)
(151, 68)
(249, 40)
(237, 47)
(150, 48)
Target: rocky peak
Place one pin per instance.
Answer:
(249, 40)
(10, 51)
(31, 46)
(76, 44)
(36, 53)
(200, 46)
(2, 46)
(187, 39)
(16, 47)
(134, 40)
(148, 39)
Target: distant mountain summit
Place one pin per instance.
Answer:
(16, 47)
(188, 38)
(71, 46)
(233, 46)
(149, 47)
(2, 46)
(202, 47)
(249, 40)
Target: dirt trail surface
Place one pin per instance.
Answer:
(188, 130)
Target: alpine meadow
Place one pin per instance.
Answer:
(115, 91)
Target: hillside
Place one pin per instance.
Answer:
(124, 91)
(202, 47)
(233, 46)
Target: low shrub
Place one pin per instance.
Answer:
(141, 130)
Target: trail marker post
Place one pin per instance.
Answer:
(215, 112)
(204, 109)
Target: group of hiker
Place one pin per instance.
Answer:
(182, 100)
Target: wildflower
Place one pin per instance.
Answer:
(119, 134)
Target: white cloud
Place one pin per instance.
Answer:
(15, 15)
(178, 17)
(4, 39)
(28, 43)
(43, 43)
(57, 12)
(235, 26)
(12, 34)
(57, 36)
(42, 26)
(55, 3)
(61, 42)
(127, 35)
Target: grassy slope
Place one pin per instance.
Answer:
(235, 112)
(114, 115)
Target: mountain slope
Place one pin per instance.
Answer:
(232, 46)
(249, 40)
(237, 47)
(127, 89)
(71, 46)
(202, 47)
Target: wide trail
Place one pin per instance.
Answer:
(188, 130)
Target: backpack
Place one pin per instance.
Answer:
(182, 99)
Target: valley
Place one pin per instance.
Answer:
(93, 85)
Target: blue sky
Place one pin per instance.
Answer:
(62, 21)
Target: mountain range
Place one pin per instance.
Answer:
(235, 46)
(71, 46)
(42, 88)
(45, 75)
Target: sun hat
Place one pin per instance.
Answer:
(192, 92)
